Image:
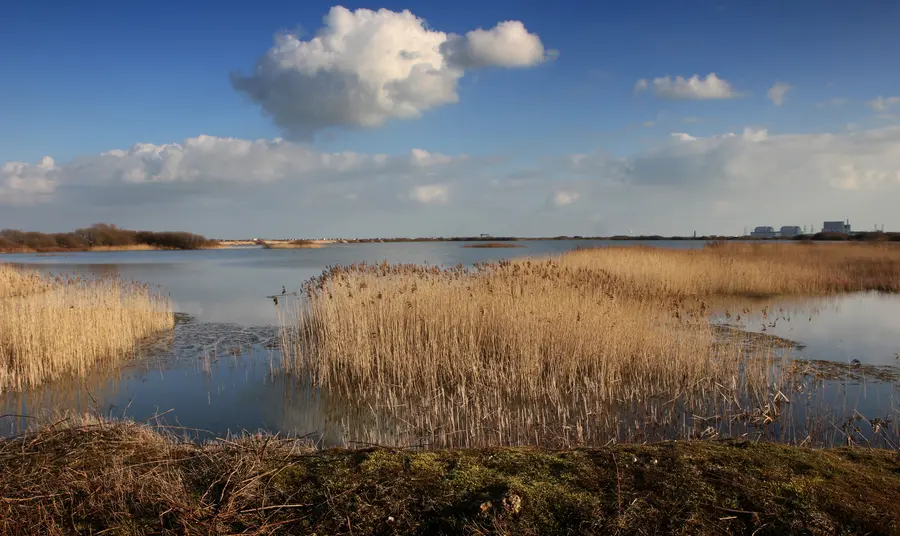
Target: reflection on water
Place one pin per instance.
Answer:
(220, 370)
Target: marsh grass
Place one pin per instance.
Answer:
(50, 326)
(555, 351)
(724, 269)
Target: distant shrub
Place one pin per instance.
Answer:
(173, 240)
(100, 235)
(70, 241)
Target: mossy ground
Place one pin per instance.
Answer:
(127, 479)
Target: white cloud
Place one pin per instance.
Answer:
(431, 194)
(778, 92)
(205, 165)
(725, 182)
(695, 87)
(682, 136)
(756, 161)
(232, 160)
(508, 44)
(562, 198)
(365, 67)
(222, 186)
(883, 104)
(26, 184)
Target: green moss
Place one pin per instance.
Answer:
(666, 488)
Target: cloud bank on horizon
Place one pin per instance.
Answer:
(366, 69)
(726, 179)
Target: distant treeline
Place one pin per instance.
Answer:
(100, 235)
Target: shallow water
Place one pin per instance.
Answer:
(219, 371)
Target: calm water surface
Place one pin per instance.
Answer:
(219, 371)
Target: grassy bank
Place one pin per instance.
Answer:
(51, 326)
(122, 478)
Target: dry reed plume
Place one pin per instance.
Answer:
(522, 347)
(51, 326)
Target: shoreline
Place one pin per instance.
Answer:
(265, 483)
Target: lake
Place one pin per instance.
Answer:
(219, 372)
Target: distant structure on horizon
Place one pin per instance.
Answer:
(786, 231)
(836, 227)
(790, 231)
(764, 231)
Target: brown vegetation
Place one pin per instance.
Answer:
(741, 269)
(65, 324)
(554, 351)
(99, 237)
(94, 477)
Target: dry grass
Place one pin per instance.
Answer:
(745, 270)
(60, 325)
(83, 476)
(524, 350)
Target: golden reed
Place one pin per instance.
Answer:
(51, 326)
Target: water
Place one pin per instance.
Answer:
(219, 371)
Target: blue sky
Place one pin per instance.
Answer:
(78, 81)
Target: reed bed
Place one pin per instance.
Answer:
(51, 326)
(524, 353)
(562, 351)
(744, 270)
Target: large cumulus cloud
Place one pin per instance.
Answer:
(364, 67)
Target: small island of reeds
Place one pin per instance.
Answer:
(292, 244)
(489, 245)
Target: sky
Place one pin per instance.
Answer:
(312, 119)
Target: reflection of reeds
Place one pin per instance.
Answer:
(55, 325)
(595, 345)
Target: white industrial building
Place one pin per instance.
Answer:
(790, 231)
(836, 227)
(764, 232)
